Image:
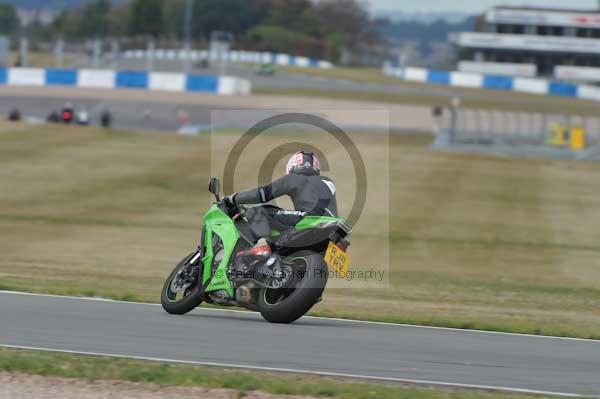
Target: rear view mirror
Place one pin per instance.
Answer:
(214, 186)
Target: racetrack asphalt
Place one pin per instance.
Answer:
(380, 351)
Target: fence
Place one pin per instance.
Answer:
(258, 57)
(523, 131)
(110, 79)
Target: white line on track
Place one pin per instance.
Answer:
(99, 299)
(300, 371)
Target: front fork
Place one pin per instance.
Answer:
(200, 252)
(194, 260)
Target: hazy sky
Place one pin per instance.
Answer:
(472, 5)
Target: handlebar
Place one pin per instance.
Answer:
(234, 212)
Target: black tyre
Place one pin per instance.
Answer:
(286, 305)
(189, 288)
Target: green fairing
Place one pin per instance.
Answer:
(217, 222)
(314, 221)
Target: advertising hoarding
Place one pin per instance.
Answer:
(578, 73)
(527, 42)
(498, 68)
(543, 18)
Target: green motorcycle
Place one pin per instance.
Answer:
(282, 280)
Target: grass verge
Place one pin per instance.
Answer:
(471, 98)
(357, 74)
(484, 98)
(104, 368)
(39, 59)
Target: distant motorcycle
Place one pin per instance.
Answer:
(53, 117)
(266, 69)
(283, 280)
(14, 115)
(67, 114)
(83, 118)
(106, 119)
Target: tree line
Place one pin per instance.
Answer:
(317, 29)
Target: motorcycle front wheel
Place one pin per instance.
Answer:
(286, 305)
(182, 292)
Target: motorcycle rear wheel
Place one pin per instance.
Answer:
(289, 304)
(192, 295)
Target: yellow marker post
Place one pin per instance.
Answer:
(559, 135)
(577, 138)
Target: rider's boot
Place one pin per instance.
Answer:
(262, 242)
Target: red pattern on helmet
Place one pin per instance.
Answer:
(316, 162)
(296, 160)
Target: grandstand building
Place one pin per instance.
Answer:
(519, 41)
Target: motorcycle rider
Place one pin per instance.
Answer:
(67, 113)
(311, 194)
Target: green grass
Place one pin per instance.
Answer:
(357, 74)
(94, 368)
(40, 59)
(486, 99)
(476, 241)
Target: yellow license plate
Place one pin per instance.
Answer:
(337, 259)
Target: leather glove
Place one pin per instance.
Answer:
(229, 200)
